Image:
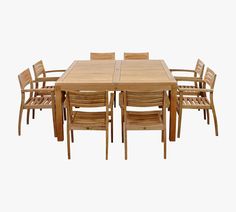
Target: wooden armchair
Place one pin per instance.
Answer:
(104, 56)
(186, 101)
(197, 73)
(136, 56)
(41, 80)
(33, 101)
(143, 120)
(81, 120)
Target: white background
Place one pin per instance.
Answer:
(199, 173)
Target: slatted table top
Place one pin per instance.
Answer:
(116, 73)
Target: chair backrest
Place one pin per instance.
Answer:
(39, 69)
(25, 79)
(210, 78)
(87, 99)
(199, 68)
(136, 56)
(102, 56)
(144, 99)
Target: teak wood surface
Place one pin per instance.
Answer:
(111, 75)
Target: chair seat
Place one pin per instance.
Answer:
(195, 102)
(39, 102)
(144, 120)
(188, 92)
(88, 120)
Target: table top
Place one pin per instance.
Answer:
(116, 75)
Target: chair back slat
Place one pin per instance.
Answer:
(144, 99)
(25, 79)
(87, 99)
(199, 68)
(102, 56)
(210, 78)
(39, 69)
(136, 56)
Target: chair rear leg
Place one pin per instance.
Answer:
(125, 142)
(33, 114)
(179, 121)
(28, 114)
(107, 143)
(72, 136)
(204, 114)
(164, 141)
(208, 116)
(114, 98)
(68, 144)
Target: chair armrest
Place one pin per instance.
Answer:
(46, 79)
(195, 89)
(48, 90)
(52, 71)
(190, 79)
(182, 70)
(110, 105)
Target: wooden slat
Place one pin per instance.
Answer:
(136, 56)
(102, 56)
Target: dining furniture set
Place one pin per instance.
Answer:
(85, 96)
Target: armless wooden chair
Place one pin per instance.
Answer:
(186, 101)
(81, 120)
(45, 100)
(42, 80)
(136, 56)
(144, 120)
(104, 56)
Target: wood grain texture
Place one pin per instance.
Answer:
(136, 56)
(110, 75)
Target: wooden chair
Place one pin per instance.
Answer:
(45, 100)
(186, 101)
(136, 56)
(198, 72)
(143, 120)
(81, 120)
(104, 56)
(41, 80)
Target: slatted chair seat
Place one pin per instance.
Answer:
(195, 102)
(144, 120)
(194, 93)
(39, 102)
(88, 120)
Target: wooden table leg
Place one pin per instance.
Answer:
(59, 116)
(173, 99)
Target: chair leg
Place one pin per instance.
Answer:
(64, 110)
(28, 114)
(19, 120)
(68, 143)
(179, 121)
(114, 98)
(72, 136)
(125, 142)
(107, 143)
(165, 144)
(204, 114)
(122, 126)
(112, 128)
(208, 117)
(215, 121)
(33, 114)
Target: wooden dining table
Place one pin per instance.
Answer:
(116, 75)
